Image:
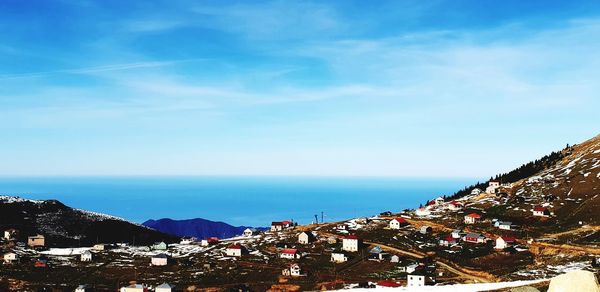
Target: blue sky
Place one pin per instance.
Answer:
(340, 88)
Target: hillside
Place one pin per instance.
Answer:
(199, 228)
(566, 183)
(66, 226)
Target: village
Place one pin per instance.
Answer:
(444, 242)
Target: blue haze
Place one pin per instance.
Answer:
(254, 201)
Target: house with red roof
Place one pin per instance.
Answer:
(448, 241)
(540, 211)
(503, 242)
(455, 206)
(235, 250)
(472, 218)
(396, 223)
(350, 243)
(388, 283)
(289, 253)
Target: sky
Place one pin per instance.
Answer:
(317, 88)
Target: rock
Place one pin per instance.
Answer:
(576, 281)
(524, 289)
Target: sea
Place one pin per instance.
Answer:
(240, 201)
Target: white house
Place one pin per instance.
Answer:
(249, 232)
(540, 211)
(159, 260)
(10, 234)
(234, 250)
(472, 218)
(10, 257)
(82, 288)
(99, 247)
(505, 225)
(493, 185)
(415, 280)
(350, 243)
(455, 206)
(276, 226)
(86, 256)
(187, 240)
(395, 259)
(338, 257)
(295, 270)
(164, 287)
(159, 246)
(134, 288)
(306, 237)
(425, 229)
(289, 253)
(476, 191)
(396, 223)
(503, 242)
(422, 212)
(458, 233)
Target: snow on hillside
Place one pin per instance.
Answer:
(459, 287)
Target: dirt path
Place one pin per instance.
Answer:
(585, 228)
(477, 279)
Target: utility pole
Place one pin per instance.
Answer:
(322, 217)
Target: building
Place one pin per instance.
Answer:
(332, 240)
(295, 270)
(503, 242)
(394, 259)
(289, 253)
(209, 241)
(455, 206)
(234, 250)
(458, 233)
(82, 288)
(476, 192)
(10, 234)
(250, 232)
(134, 288)
(36, 241)
(472, 218)
(164, 287)
(100, 247)
(396, 223)
(159, 246)
(306, 237)
(41, 263)
(187, 240)
(493, 185)
(448, 241)
(475, 238)
(505, 225)
(159, 260)
(422, 212)
(377, 254)
(426, 229)
(416, 279)
(10, 257)
(276, 226)
(350, 243)
(86, 256)
(338, 257)
(540, 211)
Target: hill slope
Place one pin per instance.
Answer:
(199, 228)
(567, 183)
(65, 226)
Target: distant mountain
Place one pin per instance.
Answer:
(66, 226)
(199, 228)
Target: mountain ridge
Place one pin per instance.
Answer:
(196, 227)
